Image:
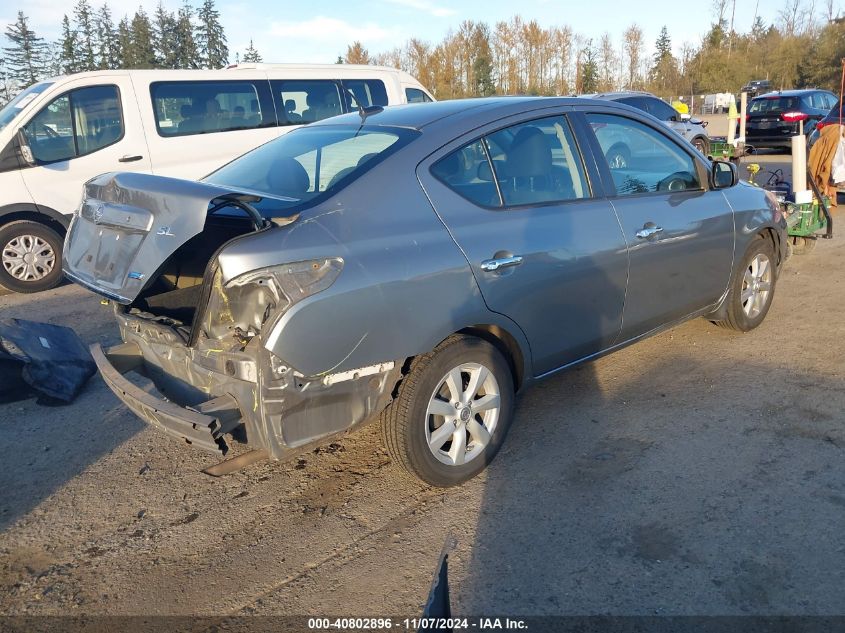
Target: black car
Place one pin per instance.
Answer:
(757, 86)
(774, 118)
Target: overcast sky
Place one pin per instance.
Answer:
(320, 31)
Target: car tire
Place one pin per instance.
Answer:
(752, 288)
(702, 145)
(411, 423)
(618, 156)
(30, 257)
(802, 245)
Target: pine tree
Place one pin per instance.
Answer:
(184, 45)
(85, 29)
(589, 70)
(664, 73)
(124, 43)
(27, 57)
(68, 46)
(210, 37)
(108, 47)
(164, 31)
(251, 56)
(141, 52)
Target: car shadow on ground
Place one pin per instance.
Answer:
(684, 487)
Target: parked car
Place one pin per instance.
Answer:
(691, 128)
(167, 122)
(756, 87)
(773, 119)
(832, 118)
(418, 264)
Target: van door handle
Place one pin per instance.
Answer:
(647, 231)
(129, 159)
(492, 265)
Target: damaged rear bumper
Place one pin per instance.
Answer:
(203, 426)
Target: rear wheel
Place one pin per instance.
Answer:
(752, 288)
(452, 412)
(30, 256)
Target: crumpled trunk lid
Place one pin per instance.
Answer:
(128, 225)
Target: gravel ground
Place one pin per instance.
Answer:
(698, 472)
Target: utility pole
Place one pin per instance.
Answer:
(731, 30)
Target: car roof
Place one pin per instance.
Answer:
(420, 115)
(621, 94)
(788, 93)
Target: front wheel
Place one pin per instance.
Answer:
(752, 288)
(452, 412)
(30, 257)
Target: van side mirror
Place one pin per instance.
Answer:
(723, 174)
(25, 149)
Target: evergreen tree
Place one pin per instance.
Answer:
(108, 47)
(85, 32)
(124, 43)
(664, 73)
(164, 31)
(68, 45)
(184, 45)
(26, 58)
(589, 70)
(251, 56)
(142, 53)
(339, 60)
(210, 37)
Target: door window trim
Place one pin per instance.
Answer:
(69, 93)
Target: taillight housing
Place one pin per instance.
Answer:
(794, 117)
(823, 123)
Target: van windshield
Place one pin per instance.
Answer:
(16, 105)
(310, 163)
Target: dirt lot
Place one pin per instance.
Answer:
(699, 472)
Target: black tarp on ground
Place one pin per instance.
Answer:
(49, 360)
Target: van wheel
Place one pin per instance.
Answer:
(30, 257)
(452, 412)
(752, 288)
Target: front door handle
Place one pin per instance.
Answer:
(492, 265)
(129, 159)
(647, 231)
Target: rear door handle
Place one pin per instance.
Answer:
(129, 159)
(492, 265)
(647, 231)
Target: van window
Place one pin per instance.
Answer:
(364, 93)
(16, 105)
(306, 100)
(202, 107)
(415, 95)
(76, 123)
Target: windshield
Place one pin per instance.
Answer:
(16, 105)
(774, 104)
(310, 163)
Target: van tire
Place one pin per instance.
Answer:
(26, 235)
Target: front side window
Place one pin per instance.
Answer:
(306, 101)
(12, 109)
(641, 159)
(300, 166)
(364, 93)
(77, 123)
(415, 95)
(530, 163)
(202, 107)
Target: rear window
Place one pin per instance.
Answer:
(201, 107)
(306, 100)
(309, 163)
(774, 104)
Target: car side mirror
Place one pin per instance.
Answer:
(723, 174)
(25, 149)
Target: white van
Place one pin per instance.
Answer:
(59, 133)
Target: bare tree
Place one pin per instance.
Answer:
(792, 17)
(634, 53)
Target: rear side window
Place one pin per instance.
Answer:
(415, 95)
(774, 104)
(305, 101)
(202, 107)
(364, 93)
(530, 163)
(661, 110)
(77, 123)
